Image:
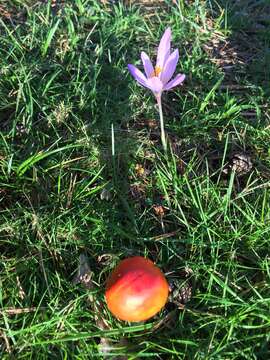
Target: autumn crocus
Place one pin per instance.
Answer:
(158, 78)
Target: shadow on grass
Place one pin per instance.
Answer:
(249, 23)
(244, 54)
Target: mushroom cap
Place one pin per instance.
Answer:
(136, 290)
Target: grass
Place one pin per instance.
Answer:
(63, 82)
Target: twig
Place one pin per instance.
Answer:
(4, 336)
(165, 236)
(18, 311)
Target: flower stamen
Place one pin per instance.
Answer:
(157, 71)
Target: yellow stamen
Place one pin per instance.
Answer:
(157, 71)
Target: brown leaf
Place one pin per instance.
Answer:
(159, 210)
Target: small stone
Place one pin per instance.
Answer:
(105, 194)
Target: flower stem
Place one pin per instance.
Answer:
(163, 137)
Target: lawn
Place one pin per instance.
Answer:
(69, 206)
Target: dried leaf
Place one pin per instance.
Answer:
(159, 210)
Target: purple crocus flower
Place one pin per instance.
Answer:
(158, 79)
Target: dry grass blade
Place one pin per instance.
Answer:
(18, 311)
(6, 341)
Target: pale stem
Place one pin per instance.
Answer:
(163, 137)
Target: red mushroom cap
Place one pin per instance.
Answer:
(136, 290)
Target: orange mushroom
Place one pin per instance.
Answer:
(136, 290)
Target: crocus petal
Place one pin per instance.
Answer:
(155, 84)
(148, 67)
(137, 74)
(164, 48)
(176, 81)
(169, 67)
